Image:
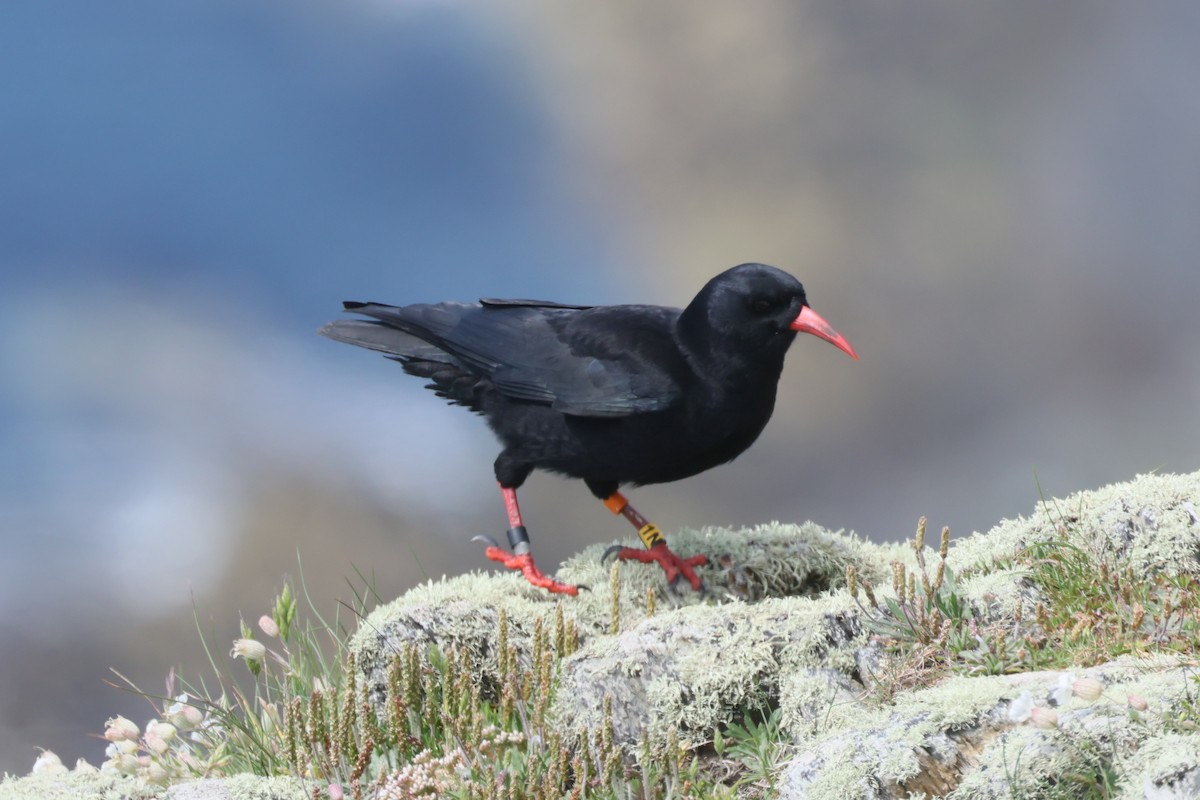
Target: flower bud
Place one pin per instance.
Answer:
(123, 747)
(178, 713)
(1088, 689)
(126, 764)
(1042, 717)
(48, 762)
(268, 626)
(1138, 703)
(193, 716)
(163, 730)
(119, 729)
(157, 774)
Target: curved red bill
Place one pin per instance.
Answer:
(809, 321)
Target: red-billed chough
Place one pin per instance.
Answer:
(608, 394)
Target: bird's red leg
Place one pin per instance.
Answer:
(521, 556)
(656, 550)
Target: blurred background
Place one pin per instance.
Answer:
(998, 205)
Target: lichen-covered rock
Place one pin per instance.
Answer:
(922, 743)
(1169, 768)
(779, 630)
(963, 740)
(1151, 523)
(95, 785)
(242, 787)
(462, 614)
(803, 646)
(694, 668)
(77, 784)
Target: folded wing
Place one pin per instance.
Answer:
(575, 359)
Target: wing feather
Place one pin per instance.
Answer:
(580, 360)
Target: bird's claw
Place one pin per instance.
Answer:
(676, 567)
(523, 563)
(613, 550)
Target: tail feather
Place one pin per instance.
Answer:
(448, 377)
(384, 339)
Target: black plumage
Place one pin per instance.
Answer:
(627, 394)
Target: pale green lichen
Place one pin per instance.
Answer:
(800, 646)
(963, 727)
(765, 561)
(77, 785)
(660, 669)
(883, 746)
(814, 700)
(699, 667)
(245, 787)
(463, 612)
(1168, 762)
(1026, 760)
(999, 593)
(957, 703)
(1149, 523)
(95, 785)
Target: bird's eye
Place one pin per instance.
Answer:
(760, 306)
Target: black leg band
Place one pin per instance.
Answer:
(518, 540)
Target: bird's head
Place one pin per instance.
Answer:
(757, 309)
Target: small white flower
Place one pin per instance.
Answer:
(49, 763)
(1020, 708)
(249, 649)
(1061, 692)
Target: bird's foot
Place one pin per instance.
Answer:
(524, 563)
(675, 566)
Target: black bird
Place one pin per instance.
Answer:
(608, 394)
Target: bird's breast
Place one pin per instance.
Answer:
(704, 436)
